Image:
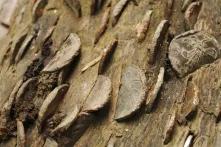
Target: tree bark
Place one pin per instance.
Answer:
(184, 107)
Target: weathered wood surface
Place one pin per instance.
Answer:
(193, 99)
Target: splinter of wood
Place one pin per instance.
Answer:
(158, 39)
(143, 26)
(154, 93)
(102, 58)
(90, 64)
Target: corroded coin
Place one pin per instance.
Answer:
(132, 92)
(192, 49)
(99, 95)
(69, 50)
(51, 102)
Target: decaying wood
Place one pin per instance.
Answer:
(99, 95)
(51, 102)
(153, 95)
(158, 39)
(67, 121)
(75, 6)
(69, 50)
(142, 27)
(20, 134)
(132, 92)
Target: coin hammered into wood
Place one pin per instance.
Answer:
(132, 92)
(5, 112)
(23, 88)
(16, 44)
(45, 26)
(191, 50)
(117, 10)
(153, 95)
(51, 102)
(20, 134)
(190, 103)
(67, 121)
(143, 26)
(185, 4)
(169, 128)
(24, 46)
(191, 13)
(75, 6)
(69, 50)
(99, 95)
(104, 24)
(38, 8)
(158, 40)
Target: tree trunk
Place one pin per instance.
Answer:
(41, 58)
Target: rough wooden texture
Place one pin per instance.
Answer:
(194, 97)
